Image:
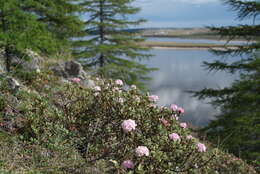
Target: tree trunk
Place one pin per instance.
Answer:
(101, 32)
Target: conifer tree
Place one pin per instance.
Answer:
(61, 18)
(20, 30)
(238, 125)
(112, 51)
(45, 26)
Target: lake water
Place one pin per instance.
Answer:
(181, 71)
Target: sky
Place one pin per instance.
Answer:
(185, 13)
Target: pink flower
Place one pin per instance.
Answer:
(165, 122)
(119, 82)
(189, 137)
(201, 147)
(174, 137)
(174, 107)
(181, 110)
(153, 98)
(75, 80)
(128, 125)
(97, 88)
(128, 164)
(133, 86)
(183, 125)
(142, 151)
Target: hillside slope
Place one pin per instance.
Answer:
(81, 124)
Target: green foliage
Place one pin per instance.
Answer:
(20, 30)
(43, 26)
(65, 128)
(25, 76)
(115, 51)
(244, 9)
(101, 137)
(238, 123)
(61, 19)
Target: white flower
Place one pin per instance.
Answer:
(142, 151)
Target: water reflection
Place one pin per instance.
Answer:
(181, 71)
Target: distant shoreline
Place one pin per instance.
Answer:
(186, 48)
(178, 48)
(204, 37)
(177, 45)
(185, 33)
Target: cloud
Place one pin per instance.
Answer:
(176, 1)
(196, 1)
(185, 13)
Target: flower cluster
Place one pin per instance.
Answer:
(189, 137)
(174, 137)
(75, 80)
(175, 108)
(201, 147)
(142, 151)
(153, 98)
(183, 125)
(128, 164)
(119, 82)
(128, 125)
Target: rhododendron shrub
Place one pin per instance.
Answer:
(104, 129)
(107, 128)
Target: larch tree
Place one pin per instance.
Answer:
(112, 51)
(45, 26)
(20, 30)
(61, 18)
(237, 127)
